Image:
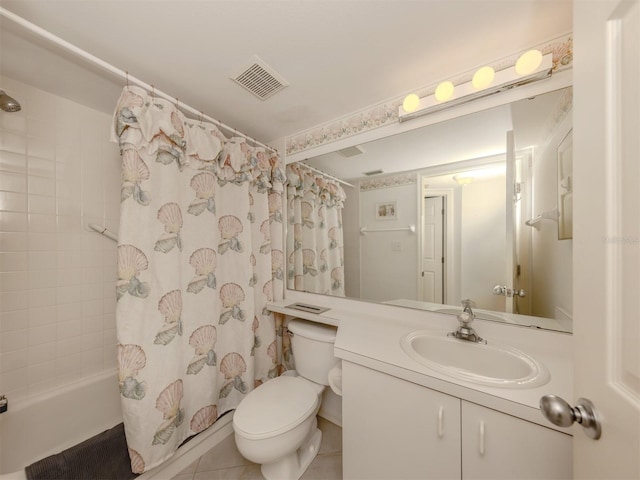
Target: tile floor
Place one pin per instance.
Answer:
(225, 462)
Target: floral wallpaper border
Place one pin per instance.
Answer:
(387, 112)
(388, 181)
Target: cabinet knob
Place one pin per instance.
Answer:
(560, 413)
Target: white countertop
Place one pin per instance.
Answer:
(372, 339)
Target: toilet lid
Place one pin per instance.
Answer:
(275, 407)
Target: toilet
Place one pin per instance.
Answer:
(275, 425)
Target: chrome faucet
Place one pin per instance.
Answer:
(465, 331)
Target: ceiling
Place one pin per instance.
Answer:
(339, 56)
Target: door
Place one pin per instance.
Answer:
(607, 234)
(433, 249)
(510, 218)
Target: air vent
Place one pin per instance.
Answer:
(373, 172)
(351, 151)
(260, 79)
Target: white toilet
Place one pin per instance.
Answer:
(275, 425)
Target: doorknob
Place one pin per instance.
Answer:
(560, 413)
(508, 292)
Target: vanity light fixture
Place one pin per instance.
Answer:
(530, 67)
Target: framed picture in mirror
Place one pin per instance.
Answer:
(386, 211)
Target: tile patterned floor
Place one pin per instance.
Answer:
(225, 462)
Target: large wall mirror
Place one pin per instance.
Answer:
(476, 207)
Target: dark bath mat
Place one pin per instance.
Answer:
(104, 456)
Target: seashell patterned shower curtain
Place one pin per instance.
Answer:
(199, 242)
(314, 238)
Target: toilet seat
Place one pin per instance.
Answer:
(275, 407)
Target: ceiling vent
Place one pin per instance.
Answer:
(351, 151)
(260, 79)
(373, 172)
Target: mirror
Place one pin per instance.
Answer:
(461, 209)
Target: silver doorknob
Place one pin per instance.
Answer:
(508, 292)
(560, 413)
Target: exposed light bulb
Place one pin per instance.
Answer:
(444, 91)
(411, 103)
(528, 62)
(483, 78)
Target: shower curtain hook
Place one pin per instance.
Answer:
(177, 103)
(201, 115)
(153, 91)
(127, 78)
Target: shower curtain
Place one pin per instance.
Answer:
(199, 257)
(314, 234)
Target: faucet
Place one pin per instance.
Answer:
(465, 331)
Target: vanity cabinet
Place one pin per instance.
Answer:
(395, 429)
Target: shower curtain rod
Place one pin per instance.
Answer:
(327, 175)
(121, 73)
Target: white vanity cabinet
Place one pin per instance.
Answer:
(395, 429)
(499, 446)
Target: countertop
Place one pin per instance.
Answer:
(372, 339)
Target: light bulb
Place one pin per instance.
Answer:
(528, 62)
(483, 78)
(411, 103)
(444, 91)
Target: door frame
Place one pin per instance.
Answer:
(450, 294)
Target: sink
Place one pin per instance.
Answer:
(490, 364)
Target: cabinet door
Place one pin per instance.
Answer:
(394, 429)
(499, 446)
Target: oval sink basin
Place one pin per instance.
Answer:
(490, 364)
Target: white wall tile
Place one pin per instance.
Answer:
(42, 278)
(42, 316)
(13, 182)
(13, 222)
(14, 340)
(13, 162)
(42, 334)
(44, 352)
(13, 242)
(14, 281)
(13, 261)
(42, 260)
(41, 167)
(41, 204)
(12, 142)
(42, 297)
(70, 328)
(12, 201)
(58, 171)
(10, 302)
(12, 321)
(42, 186)
(13, 360)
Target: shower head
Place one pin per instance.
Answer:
(8, 104)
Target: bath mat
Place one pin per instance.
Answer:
(104, 456)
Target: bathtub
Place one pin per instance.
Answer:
(36, 428)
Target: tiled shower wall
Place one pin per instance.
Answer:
(58, 172)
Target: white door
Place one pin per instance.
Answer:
(607, 234)
(510, 218)
(433, 250)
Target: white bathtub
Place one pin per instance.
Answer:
(36, 428)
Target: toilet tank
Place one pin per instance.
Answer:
(312, 345)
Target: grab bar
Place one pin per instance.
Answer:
(548, 215)
(104, 231)
(410, 228)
